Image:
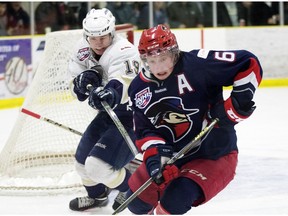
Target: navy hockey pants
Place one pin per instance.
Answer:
(103, 140)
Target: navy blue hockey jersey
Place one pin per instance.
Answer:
(174, 110)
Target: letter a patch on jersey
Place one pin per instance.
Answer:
(143, 98)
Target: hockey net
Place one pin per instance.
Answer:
(39, 157)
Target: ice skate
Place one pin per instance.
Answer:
(119, 200)
(84, 203)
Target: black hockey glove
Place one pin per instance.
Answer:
(99, 94)
(90, 76)
(155, 157)
(230, 113)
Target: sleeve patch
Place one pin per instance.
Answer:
(203, 53)
(83, 53)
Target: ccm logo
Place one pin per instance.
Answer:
(195, 172)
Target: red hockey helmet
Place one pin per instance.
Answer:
(157, 40)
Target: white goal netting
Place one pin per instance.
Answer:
(39, 157)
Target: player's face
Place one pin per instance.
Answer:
(161, 66)
(100, 44)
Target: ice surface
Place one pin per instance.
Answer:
(260, 186)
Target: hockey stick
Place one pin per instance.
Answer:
(37, 116)
(194, 143)
(118, 124)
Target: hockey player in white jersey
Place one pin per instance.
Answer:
(108, 62)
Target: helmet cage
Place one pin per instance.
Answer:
(156, 52)
(173, 51)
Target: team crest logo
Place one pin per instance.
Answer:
(170, 113)
(142, 98)
(83, 53)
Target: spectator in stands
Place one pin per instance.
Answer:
(54, 16)
(285, 13)
(3, 18)
(83, 10)
(223, 17)
(184, 15)
(46, 17)
(223, 14)
(82, 13)
(275, 11)
(68, 19)
(232, 12)
(124, 12)
(18, 19)
(255, 14)
(159, 15)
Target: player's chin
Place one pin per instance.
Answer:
(162, 75)
(99, 51)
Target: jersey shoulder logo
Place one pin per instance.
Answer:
(143, 98)
(83, 53)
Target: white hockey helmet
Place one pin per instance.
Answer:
(99, 22)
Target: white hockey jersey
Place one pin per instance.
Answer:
(120, 61)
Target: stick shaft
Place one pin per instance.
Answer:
(37, 116)
(120, 127)
(118, 124)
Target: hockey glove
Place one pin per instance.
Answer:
(80, 82)
(169, 173)
(155, 157)
(230, 113)
(99, 94)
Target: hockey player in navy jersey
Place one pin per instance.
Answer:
(173, 98)
(109, 63)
